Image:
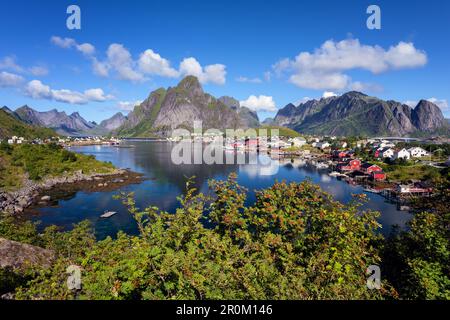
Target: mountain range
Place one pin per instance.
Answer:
(355, 113)
(352, 113)
(63, 124)
(10, 126)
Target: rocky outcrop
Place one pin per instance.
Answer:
(19, 256)
(427, 116)
(355, 113)
(31, 192)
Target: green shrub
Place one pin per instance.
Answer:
(295, 242)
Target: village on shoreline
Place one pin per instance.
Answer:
(381, 165)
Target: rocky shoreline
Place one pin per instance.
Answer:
(35, 193)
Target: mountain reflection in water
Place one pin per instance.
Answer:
(166, 180)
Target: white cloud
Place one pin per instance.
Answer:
(214, 73)
(248, 80)
(128, 105)
(97, 94)
(267, 76)
(282, 66)
(120, 60)
(65, 43)
(38, 71)
(10, 79)
(68, 43)
(68, 96)
(323, 68)
(151, 63)
(405, 55)
(9, 63)
(259, 103)
(365, 87)
(37, 90)
(320, 81)
(100, 68)
(329, 94)
(86, 48)
(410, 103)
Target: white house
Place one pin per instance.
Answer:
(322, 145)
(417, 152)
(297, 142)
(387, 152)
(401, 154)
(16, 140)
(278, 144)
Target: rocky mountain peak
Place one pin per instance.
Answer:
(6, 109)
(191, 85)
(354, 94)
(287, 110)
(114, 122)
(427, 116)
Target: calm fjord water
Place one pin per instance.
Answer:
(165, 181)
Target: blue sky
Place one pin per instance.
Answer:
(276, 51)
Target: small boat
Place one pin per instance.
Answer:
(108, 214)
(334, 174)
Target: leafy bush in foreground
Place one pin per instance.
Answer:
(295, 242)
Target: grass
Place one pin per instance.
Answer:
(42, 161)
(404, 174)
(283, 131)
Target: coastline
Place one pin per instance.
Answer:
(35, 193)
